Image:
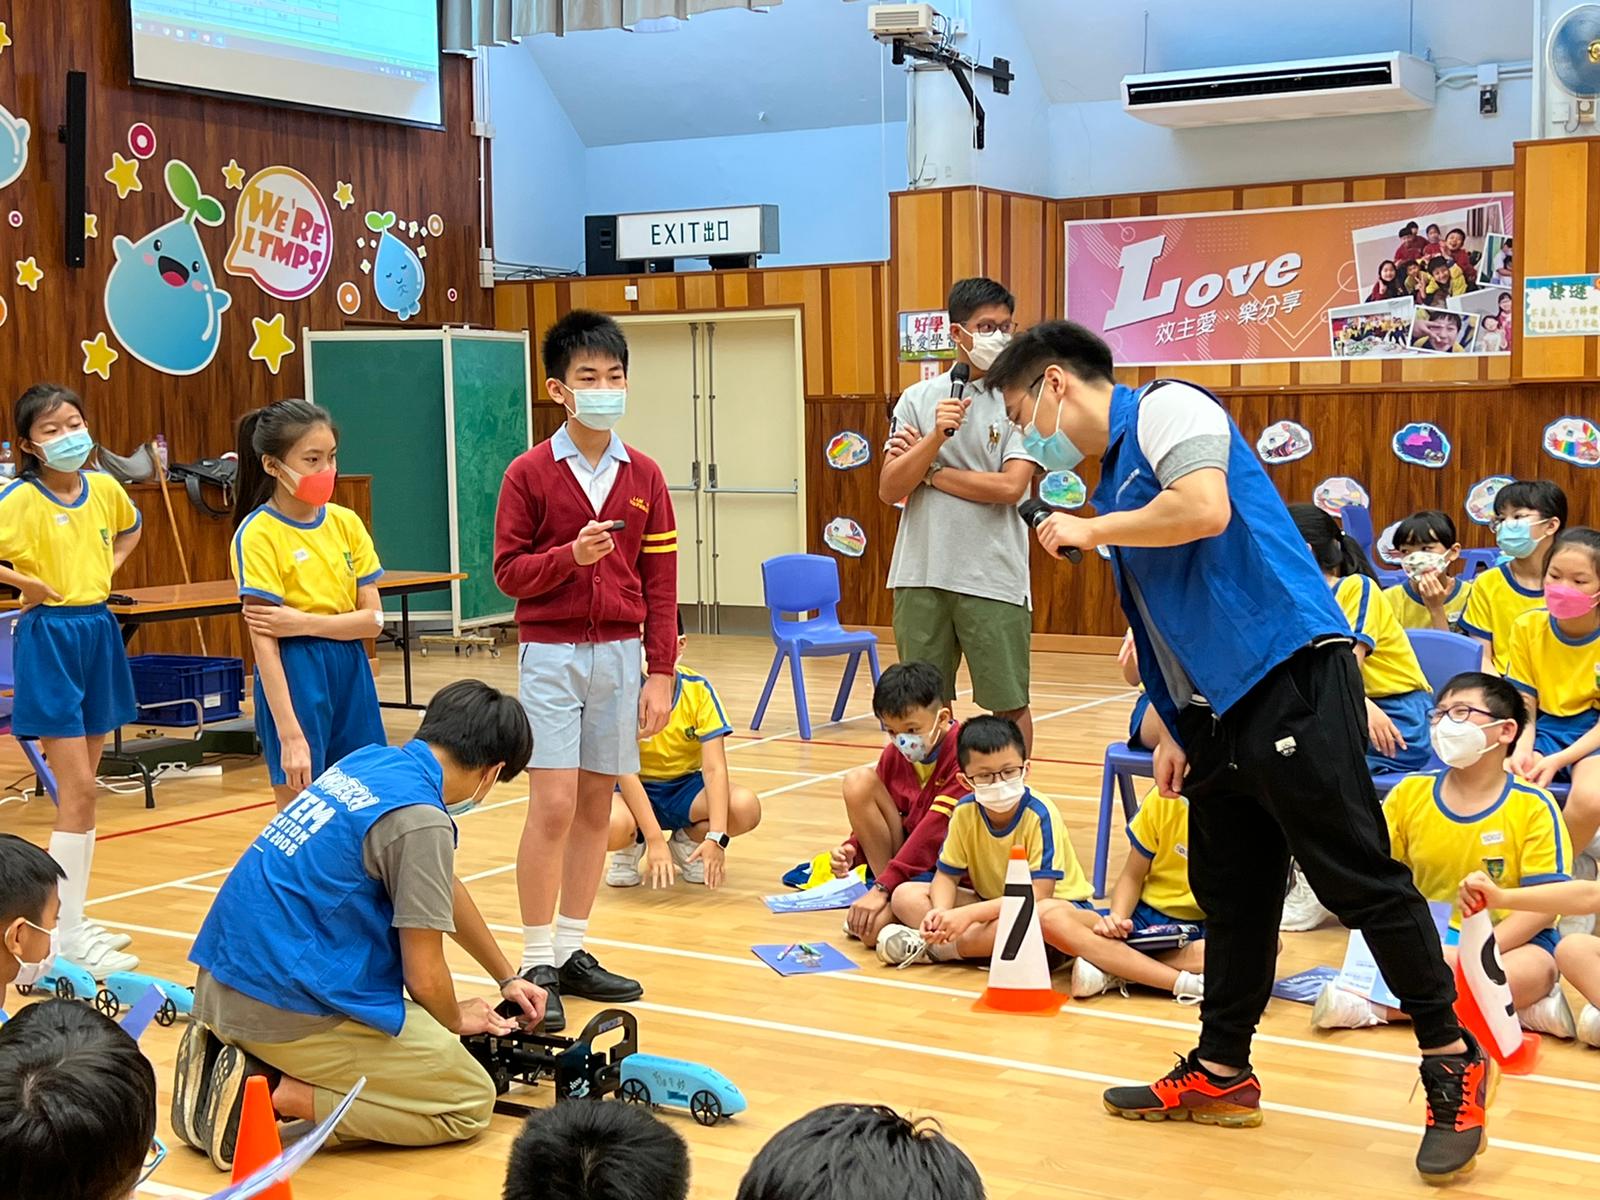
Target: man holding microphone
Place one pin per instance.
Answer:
(1247, 659)
(960, 467)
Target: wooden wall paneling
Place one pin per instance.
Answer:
(414, 172)
(804, 288)
(1026, 272)
(994, 219)
(853, 331)
(1326, 192)
(854, 494)
(966, 253)
(1555, 185)
(511, 307)
(660, 293)
(602, 293)
(700, 291)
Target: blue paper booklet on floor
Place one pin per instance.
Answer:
(804, 958)
(1303, 987)
(841, 893)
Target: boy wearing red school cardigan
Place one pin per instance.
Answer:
(586, 543)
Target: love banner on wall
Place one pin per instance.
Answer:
(1388, 279)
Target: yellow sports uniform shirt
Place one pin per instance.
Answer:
(981, 851)
(68, 546)
(1520, 841)
(1412, 613)
(1160, 832)
(696, 719)
(1390, 667)
(1561, 674)
(314, 566)
(1497, 600)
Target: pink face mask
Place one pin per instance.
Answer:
(1566, 602)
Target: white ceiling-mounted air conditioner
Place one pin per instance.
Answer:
(1287, 91)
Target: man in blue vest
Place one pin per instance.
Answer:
(1247, 659)
(337, 912)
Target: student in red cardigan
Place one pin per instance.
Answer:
(586, 543)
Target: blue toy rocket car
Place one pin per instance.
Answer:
(67, 980)
(126, 987)
(708, 1095)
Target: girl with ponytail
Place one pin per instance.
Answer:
(307, 574)
(1398, 698)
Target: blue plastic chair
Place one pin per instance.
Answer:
(1477, 562)
(1357, 522)
(1122, 764)
(796, 585)
(8, 683)
(1442, 656)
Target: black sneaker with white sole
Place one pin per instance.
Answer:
(582, 975)
(191, 1082)
(218, 1123)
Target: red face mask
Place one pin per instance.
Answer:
(314, 489)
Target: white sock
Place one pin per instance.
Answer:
(538, 949)
(569, 937)
(72, 851)
(88, 870)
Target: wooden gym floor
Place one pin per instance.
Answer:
(1021, 1095)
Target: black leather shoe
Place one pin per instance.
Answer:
(582, 975)
(555, 1016)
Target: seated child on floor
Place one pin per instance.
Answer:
(1430, 598)
(682, 790)
(1577, 954)
(1444, 825)
(900, 809)
(955, 915)
(1152, 894)
(77, 1106)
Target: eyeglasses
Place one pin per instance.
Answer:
(1460, 713)
(990, 327)
(154, 1157)
(1494, 525)
(1004, 775)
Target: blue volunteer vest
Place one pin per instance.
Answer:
(299, 924)
(1230, 607)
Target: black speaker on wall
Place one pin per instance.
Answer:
(74, 135)
(600, 252)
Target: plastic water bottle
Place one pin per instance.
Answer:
(161, 452)
(8, 461)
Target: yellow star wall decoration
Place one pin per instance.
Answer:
(344, 194)
(29, 274)
(91, 225)
(271, 344)
(98, 356)
(233, 175)
(5, 38)
(124, 173)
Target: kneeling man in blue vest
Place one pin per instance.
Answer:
(322, 959)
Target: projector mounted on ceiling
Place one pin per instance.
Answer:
(1287, 91)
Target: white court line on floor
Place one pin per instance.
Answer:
(1051, 1069)
(198, 887)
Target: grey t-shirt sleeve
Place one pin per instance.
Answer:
(412, 851)
(1182, 430)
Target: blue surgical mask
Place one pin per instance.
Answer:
(1053, 453)
(599, 408)
(461, 807)
(1515, 537)
(67, 452)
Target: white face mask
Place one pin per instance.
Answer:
(461, 807)
(29, 973)
(1000, 795)
(1419, 562)
(1459, 743)
(986, 348)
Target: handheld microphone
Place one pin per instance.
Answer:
(959, 374)
(1034, 512)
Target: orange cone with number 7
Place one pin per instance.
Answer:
(1483, 999)
(258, 1142)
(1019, 973)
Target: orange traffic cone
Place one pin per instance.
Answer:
(258, 1144)
(1019, 974)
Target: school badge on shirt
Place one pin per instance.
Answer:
(1496, 868)
(105, 537)
(349, 562)
(994, 435)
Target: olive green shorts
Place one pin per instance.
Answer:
(935, 626)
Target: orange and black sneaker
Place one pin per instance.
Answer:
(1457, 1086)
(1189, 1092)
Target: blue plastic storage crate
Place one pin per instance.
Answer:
(161, 681)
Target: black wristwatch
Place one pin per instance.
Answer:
(718, 839)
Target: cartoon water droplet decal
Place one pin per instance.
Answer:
(1480, 500)
(1063, 489)
(14, 133)
(848, 449)
(349, 297)
(397, 275)
(845, 537)
(1422, 444)
(1339, 492)
(1574, 440)
(1283, 442)
(162, 299)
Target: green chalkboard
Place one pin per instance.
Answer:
(388, 396)
(490, 399)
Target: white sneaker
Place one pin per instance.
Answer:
(83, 949)
(116, 941)
(1190, 988)
(1338, 1009)
(900, 946)
(1089, 980)
(624, 869)
(682, 846)
(1551, 1015)
(1589, 1025)
(1301, 908)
